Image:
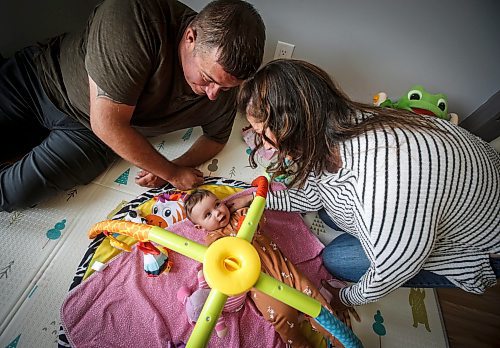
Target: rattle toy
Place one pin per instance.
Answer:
(231, 266)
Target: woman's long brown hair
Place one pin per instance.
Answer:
(310, 116)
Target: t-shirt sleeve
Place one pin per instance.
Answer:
(224, 112)
(120, 49)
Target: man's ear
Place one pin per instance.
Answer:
(190, 35)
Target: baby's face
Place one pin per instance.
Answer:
(210, 214)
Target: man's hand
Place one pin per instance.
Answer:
(185, 178)
(147, 179)
(341, 310)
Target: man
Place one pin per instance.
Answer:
(140, 68)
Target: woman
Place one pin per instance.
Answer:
(418, 198)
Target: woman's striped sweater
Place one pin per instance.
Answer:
(416, 199)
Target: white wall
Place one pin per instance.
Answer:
(449, 46)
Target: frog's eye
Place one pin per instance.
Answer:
(441, 104)
(414, 94)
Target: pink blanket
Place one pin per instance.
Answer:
(121, 307)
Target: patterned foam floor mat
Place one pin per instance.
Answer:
(42, 247)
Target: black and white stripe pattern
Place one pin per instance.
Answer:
(415, 199)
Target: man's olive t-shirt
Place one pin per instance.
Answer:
(130, 49)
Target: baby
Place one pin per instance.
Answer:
(213, 216)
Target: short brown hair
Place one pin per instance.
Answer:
(194, 198)
(236, 29)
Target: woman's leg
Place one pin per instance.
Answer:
(345, 259)
(495, 264)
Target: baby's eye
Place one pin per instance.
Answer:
(208, 215)
(217, 204)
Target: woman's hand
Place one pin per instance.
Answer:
(341, 310)
(239, 202)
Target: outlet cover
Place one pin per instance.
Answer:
(283, 50)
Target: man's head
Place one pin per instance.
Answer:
(206, 211)
(222, 46)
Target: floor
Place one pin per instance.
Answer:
(43, 246)
(471, 320)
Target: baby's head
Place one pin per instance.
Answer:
(206, 211)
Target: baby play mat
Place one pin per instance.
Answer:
(45, 249)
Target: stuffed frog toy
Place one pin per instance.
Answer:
(420, 101)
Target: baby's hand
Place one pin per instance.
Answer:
(239, 202)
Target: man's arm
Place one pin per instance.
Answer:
(110, 121)
(201, 151)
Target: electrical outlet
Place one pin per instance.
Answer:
(283, 50)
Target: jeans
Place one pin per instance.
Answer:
(345, 259)
(42, 150)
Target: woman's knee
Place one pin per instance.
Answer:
(342, 246)
(345, 258)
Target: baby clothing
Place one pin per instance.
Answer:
(285, 319)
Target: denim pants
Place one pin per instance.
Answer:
(345, 259)
(42, 150)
